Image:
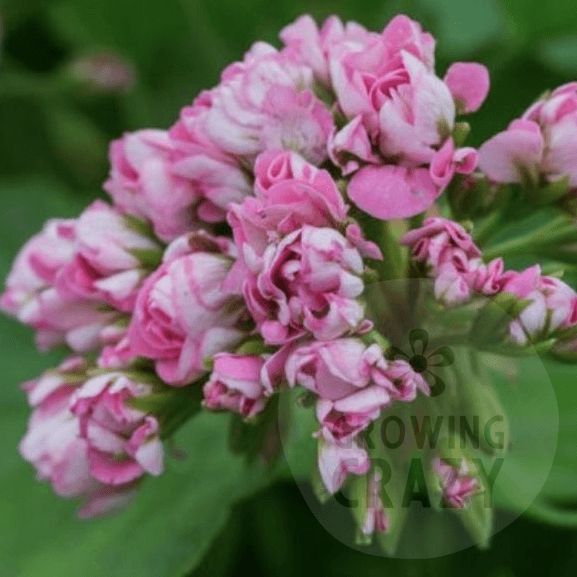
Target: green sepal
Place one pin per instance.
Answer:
(490, 326)
(149, 258)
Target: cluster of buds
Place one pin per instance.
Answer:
(234, 258)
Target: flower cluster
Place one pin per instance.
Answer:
(452, 259)
(235, 253)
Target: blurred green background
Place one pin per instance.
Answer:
(53, 147)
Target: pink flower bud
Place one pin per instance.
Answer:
(235, 385)
(457, 485)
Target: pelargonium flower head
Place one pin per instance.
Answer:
(235, 384)
(85, 440)
(309, 282)
(266, 102)
(34, 292)
(183, 314)
(111, 258)
(540, 145)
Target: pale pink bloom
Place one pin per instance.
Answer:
(309, 282)
(343, 419)
(265, 102)
(406, 382)
(306, 44)
(123, 442)
(469, 85)
(458, 486)
(351, 147)
(452, 259)
(540, 145)
(53, 443)
(376, 518)
(183, 315)
(111, 258)
(172, 179)
(553, 304)
(351, 379)
(216, 177)
(436, 239)
(34, 292)
(415, 116)
(86, 441)
(141, 183)
(290, 194)
(235, 385)
(336, 462)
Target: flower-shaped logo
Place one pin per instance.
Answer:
(421, 362)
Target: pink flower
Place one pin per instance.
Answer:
(457, 485)
(453, 260)
(172, 181)
(351, 380)
(86, 441)
(111, 259)
(553, 304)
(336, 462)
(216, 178)
(541, 145)
(123, 442)
(290, 194)
(376, 518)
(34, 292)
(405, 381)
(469, 85)
(265, 102)
(343, 419)
(236, 385)
(438, 237)
(308, 282)
(183, 315)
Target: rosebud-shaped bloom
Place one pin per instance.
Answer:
(265, 102)
(123, 442)
(290, 194)
(183, 315)
(336, 462)
(350, 380)
(457, 485)
(308, 282)
(216, 178)
(85, 441)
(111, 259)
(386, 87)
(452, 259)
(236, 385)
(33, 292)
(376, 518)
(540, 146)
(553, 304)
(172, 182)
